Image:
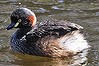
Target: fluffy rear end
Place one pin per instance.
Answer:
(73, 42)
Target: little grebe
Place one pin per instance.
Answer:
(48, 38)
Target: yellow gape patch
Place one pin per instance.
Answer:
(17, 23)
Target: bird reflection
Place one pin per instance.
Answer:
(22, 60)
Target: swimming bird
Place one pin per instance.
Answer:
(51, 38)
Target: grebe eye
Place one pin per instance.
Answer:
(19, 20)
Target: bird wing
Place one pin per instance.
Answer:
(56, 29)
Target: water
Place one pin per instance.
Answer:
(83, 12)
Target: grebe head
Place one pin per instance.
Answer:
(22, 17)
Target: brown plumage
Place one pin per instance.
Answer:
(51, 38)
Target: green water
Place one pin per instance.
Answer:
(83, 12)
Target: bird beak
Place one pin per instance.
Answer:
(11, 26)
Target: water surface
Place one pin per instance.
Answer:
(83, 12)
